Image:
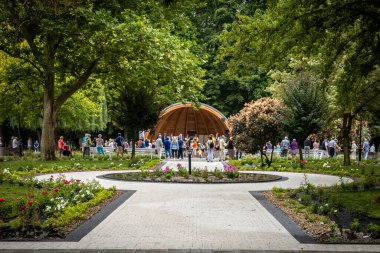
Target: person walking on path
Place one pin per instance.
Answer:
(119, 145)
(366, 149)
(61, 146)
(222, 146)
(315, 149)
(159, 145)
(168, 146)
(181, 144)
(294, 148)
(174, 148)
(210, 149)
(306, 146)
(354, 147)
(285, 143)
(100, 144)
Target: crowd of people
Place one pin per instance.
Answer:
(177, 147)
(326, 148)
(210, 148)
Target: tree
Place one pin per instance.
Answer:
(159, 70)
(344, 35)
(228, 93)
(257, 123)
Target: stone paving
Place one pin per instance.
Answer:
(173, 216)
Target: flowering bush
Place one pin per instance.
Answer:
(231, 171)
(39, 201)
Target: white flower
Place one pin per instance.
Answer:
(326, 204)
(6, 171)
(335, 211)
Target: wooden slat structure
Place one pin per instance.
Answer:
(185, 119)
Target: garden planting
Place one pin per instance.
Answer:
(229, 174)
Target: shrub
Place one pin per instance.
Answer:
(373, 230)
(355, 225)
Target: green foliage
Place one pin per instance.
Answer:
(373, 230)
(355, 225)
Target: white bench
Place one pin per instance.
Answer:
(140, 151)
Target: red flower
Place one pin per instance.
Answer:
(66, 182)
(56, 189)
(44, 192)
(22, 207)
(2, 200)
(78, 180)
(30, 203)
(51, 176)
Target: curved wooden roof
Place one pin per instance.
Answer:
(185, 119)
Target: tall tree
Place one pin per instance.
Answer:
(344, 35)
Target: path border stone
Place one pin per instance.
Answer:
(283, 219)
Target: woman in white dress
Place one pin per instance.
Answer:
(353, 150)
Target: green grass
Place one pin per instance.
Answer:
(12, 192)
(364, 201)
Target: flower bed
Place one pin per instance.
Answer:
(229, 174)
(346, 213)
(40, 209)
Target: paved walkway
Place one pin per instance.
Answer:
(192, 216)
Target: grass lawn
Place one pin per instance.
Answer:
(367, 201)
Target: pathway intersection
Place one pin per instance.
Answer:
(170, 216)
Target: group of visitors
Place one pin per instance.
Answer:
(177, 147)
(327, 148)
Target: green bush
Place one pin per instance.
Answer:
(355, 225)
(373, 230)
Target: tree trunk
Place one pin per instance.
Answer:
(133, 144)
(347, 123)
(48, 126)
(261, 155)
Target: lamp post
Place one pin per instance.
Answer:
(189, 152)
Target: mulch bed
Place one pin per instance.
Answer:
(319, 230)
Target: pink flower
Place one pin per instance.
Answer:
(2, 200)
(22, 207)
(77, 180)
(56, 189)
(66, 182)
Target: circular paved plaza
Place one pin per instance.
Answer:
(170, 216)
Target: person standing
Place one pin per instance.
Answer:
(174, 148)
(61, 146)
(36, 146)
(30, 143)
(294, 148)
(181, 144)
(372, 151)
(159, 145)
(15, 144)
(332, 145)
(324, 148)
(285, 143)
(365, 149)
(100, 144)
(87, 145)
(167, 145)
(306, 146)
(315, 149)
(119, 145)
(222, 146)
(230, 148)
(210, 149)
(354, 147)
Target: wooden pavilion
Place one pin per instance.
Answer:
(185, 119)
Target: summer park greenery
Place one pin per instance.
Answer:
(275, 68)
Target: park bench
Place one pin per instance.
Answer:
(110, 150)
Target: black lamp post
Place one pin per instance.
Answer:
(190, 151)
